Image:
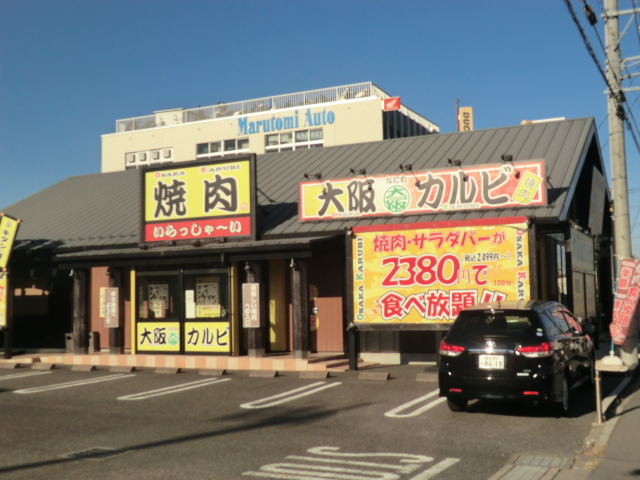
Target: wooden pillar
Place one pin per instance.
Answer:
(80, 311)
(255, 336)
(300, 301)
(116, 334)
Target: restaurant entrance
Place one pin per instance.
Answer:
(183, 312)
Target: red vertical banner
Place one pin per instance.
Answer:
(626, 301)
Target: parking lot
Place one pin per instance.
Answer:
(70, 424)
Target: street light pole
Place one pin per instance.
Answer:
(621, 223)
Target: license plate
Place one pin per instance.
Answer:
(491, 362)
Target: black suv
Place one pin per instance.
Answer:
(534, 350)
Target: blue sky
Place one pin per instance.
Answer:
(70, 68)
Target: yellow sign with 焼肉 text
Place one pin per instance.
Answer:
(199, 201)
(426, 273)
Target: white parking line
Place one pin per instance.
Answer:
(397, 412)
(20, 375)
(436, 469)
(290, 395)
(78, 383)
(173, 389)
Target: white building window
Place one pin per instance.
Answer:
(299, 140)
(148, 157)
(223, 147)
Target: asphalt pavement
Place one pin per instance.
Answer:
(610, 450)
(618, 457)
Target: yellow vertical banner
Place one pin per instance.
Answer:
(8, 231)
(465, 119)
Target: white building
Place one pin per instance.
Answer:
(349, 114)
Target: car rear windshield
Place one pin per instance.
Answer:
(481, 323)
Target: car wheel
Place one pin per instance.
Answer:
(457, 404)
(562, 407)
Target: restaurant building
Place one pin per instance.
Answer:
(367, 249)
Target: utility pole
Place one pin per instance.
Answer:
(621, 224)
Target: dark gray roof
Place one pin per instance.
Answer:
(562, 144)
(103, 210)
(96, 210)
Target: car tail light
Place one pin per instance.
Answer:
(544, 349)
(530, 393)
(450, 350)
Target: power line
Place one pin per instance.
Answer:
(618, 94)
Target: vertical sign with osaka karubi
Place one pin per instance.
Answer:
(199, 201)
(425, 273)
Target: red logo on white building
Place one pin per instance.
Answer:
(389, 104)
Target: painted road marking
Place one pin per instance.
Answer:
(436, 469)
(173, 389)
(290, 395)
(24, 374)
(398, 411)
(78, 383)
(329, 462)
